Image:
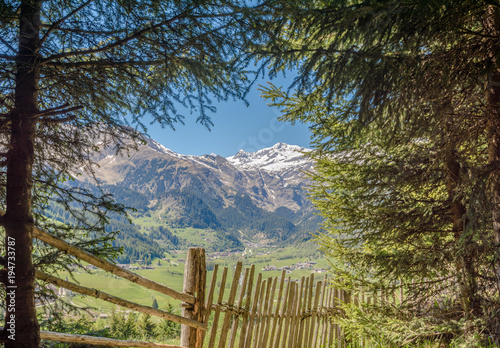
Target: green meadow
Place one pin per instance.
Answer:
(171, 273)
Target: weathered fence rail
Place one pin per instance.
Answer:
(193, 320)
(109, 267)
(101, 341)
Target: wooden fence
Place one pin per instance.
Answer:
(277, 312)
(280, 312)
(193, 325)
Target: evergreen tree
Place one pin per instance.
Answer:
(145, 326)
(123, 326)
(155, 304)
(116, 323)
(402, 97)
(76, 76)
(168, 329)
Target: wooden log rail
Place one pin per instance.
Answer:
(118, 301)
(109, 267)
(101, 341)
(224, 307)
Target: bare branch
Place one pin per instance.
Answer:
(49, 111)
(7, 44)
(91, 32)
(4, 122)
(53, 109)
(57, 111)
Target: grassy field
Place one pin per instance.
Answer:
(171, 273)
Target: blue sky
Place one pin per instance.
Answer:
(236, 127)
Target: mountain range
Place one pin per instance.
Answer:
(248, 199)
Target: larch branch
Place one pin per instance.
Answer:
(115, 44)
(56, 24)
(105, 63)
(57, 111)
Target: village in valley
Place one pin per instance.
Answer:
(299, 265)
(218, 257)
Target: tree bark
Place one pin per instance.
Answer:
(22, 329)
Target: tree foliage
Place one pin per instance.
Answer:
(402, 98)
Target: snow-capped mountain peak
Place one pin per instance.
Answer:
(276, 158)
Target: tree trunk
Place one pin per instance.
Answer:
(21, 327)
(466, 272)
(464, 263)
(492, 27)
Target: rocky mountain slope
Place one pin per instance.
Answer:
(259, 195)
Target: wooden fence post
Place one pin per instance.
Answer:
(195, 277)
